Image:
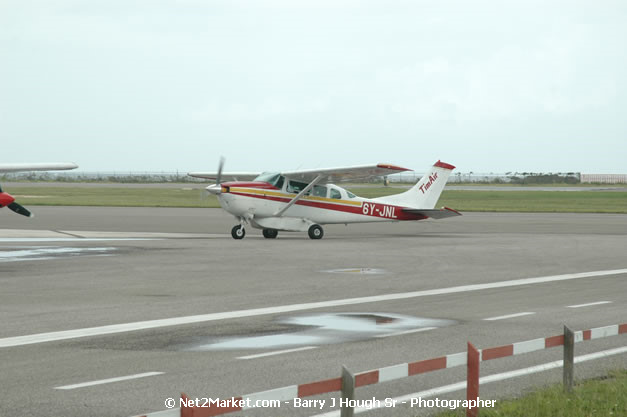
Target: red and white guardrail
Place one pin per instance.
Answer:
(390, 373)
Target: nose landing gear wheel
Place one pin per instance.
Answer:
(270, 233)
(315, 232)
(238, 232)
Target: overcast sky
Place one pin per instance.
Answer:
(488, 86)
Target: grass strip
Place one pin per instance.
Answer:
(497, 201)
(112, 197)
(600, 397)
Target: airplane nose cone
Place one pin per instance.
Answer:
(6, 199)
(214, 189)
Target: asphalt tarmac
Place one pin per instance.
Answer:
(110, 311)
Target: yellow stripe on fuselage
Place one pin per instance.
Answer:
(290, 196)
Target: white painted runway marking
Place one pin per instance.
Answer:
(109, 380)
(277, 352)
(424, 329)
(37, 253)
(363, 271)
(486, 380)
(590, 304)
(65, 239)
(510, 316)
(151, 324)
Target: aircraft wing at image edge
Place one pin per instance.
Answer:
(52, 166)
(7, 200)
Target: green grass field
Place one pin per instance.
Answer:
(104, 196)
(536, 201)
(500, 201)
(592, 398)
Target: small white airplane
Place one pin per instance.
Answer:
(303, 200)
(7, 200)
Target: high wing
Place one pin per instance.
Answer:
(434, 213)
(52, 166)
(337, 174)
(226, 176)
(340, 174)
(315, 176)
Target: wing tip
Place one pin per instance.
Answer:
(394, 167)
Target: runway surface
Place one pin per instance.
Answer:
(110, 311)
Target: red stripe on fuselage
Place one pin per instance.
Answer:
(378, 208)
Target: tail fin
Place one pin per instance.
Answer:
(426, 192)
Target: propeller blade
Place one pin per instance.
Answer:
(220, 166)
(19, 209)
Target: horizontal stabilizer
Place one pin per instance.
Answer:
(434, 213)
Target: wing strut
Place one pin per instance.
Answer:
(299, 195)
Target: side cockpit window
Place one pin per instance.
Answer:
(334, 193)
(320, 191)
(295, 186)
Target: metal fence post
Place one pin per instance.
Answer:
(569, 359)
(186, 410)
(472, 380)
(348, 392)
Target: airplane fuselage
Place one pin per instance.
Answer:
(303, 200)
(260, 201)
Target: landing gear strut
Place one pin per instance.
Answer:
(270, 233)
(315, 232)
(238, 231)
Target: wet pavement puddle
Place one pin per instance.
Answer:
(327, 328)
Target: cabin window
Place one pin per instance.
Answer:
(335, 194)
(295, 186)
(320, 191)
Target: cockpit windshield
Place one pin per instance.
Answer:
(273, 178)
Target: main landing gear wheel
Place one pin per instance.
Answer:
(270, 233)
(315, 232)
(238, 232)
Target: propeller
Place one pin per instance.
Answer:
(215, 189)
(220, 166)
(7, 200)
(20, 209)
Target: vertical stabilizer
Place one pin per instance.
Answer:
(426, 192)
